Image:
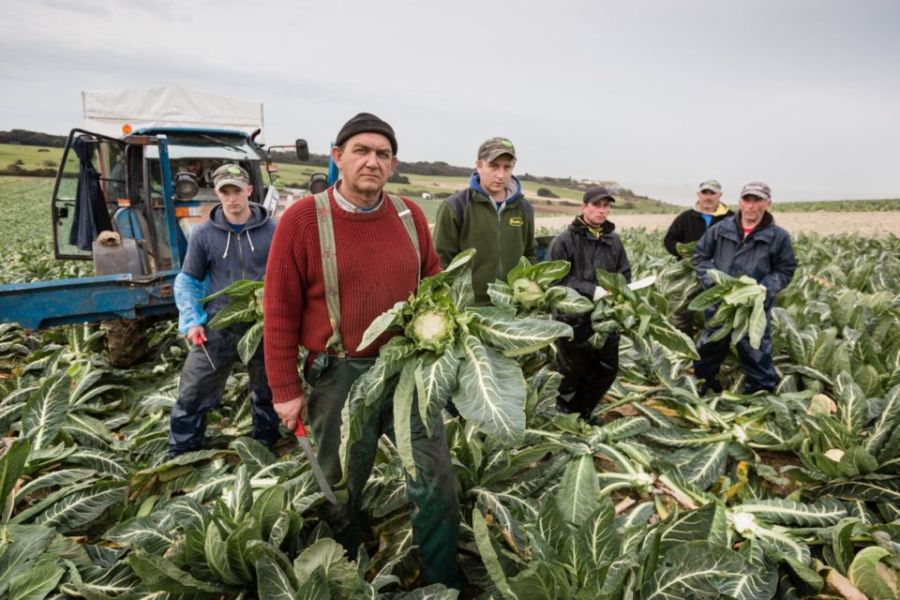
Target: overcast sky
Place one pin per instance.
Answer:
(656, 94)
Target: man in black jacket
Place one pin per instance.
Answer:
(690, 225)
(590, 242)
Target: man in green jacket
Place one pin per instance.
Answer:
(491, 215)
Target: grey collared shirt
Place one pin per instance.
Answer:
(349, 206)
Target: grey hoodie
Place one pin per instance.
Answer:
(214, 249)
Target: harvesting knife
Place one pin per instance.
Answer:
(637, 285)
(300, 432)
(211, 363)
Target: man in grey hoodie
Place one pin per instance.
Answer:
(233, 244)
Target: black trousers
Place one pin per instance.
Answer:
(587, 372)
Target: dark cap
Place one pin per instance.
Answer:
(366, 123)
(496, 147)
(758, 189)
(230, 174)
(597, 193)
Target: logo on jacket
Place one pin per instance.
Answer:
(516, 221)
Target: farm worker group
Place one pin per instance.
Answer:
(341, 257)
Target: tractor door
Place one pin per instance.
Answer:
(86, 191)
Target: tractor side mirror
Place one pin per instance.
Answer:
(302, 150)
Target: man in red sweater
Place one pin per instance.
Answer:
(375, 253)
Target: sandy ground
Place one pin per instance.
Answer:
(827, 223)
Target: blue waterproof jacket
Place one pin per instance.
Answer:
(765, 254)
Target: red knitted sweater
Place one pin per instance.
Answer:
(376, 269)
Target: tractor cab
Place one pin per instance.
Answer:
(150, 187)
(129, 205)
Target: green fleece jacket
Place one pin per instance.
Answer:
(470, 219)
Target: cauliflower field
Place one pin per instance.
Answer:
(668, 496)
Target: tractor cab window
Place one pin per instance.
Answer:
(88, 186)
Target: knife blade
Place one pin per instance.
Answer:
(303, 440)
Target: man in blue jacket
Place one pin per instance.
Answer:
(233, 244)
(748, 243)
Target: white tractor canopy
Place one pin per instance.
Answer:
(107, 112)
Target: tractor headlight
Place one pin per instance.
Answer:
(186, 186)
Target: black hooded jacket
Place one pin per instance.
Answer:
(690, 226)
(587, 253)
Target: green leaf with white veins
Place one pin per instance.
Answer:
(249, 342)
(38, 581)
(404, 399)
(489, 555)
(501, 294)
(435, 382)
(12, 463)
(572, 303)
(382, 323)
(25, 547)
(329, 555)
(578, 494)
(491, 391)
(871, 576)
(887, 423)
(82, 507)
(823, 513)
(272, 582)
(694, 570)
(516, 337)
(854, 408)
(548, 272)
(45, 412)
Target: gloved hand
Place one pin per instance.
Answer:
(196, 335)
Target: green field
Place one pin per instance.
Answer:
(838, 205)
(32, 157)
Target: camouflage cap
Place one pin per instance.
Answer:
(496, 147)
(230, 174)
(712, 185)
(758, 189)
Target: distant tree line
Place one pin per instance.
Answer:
(437, 168)
(32, 138)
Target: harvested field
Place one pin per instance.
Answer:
(825, 223)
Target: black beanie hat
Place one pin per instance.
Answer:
(366, 123)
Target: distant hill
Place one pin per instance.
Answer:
(24, 137)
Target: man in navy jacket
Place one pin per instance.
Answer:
(748, 243)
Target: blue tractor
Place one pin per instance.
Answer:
(128, 204)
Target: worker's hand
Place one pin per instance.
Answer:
(599, 293)
(289, 412)
(196, 335)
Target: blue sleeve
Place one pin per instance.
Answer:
(188, 292)
(196, 262)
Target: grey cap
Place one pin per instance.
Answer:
(712, 185)
(490, 150)
(758, 189)
(597, 192)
